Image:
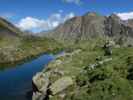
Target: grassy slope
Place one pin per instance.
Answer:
(9, 26)
(14, 49)
(111, 81)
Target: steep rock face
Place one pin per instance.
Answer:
(113, 25)
(68, 29)
(130, 22)
(92, 25)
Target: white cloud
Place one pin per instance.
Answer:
(69, 16)
(126, 15)
(78, 2)
(30, 23)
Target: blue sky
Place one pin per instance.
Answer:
(43, 11)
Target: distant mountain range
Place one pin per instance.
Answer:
(93, 25)
(85, 27)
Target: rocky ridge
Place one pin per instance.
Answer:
(52, 81)
(93, 25)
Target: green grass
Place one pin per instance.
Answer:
(14, 50)
(110, 81)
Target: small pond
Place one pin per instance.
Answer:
(16, 82)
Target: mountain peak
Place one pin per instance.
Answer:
(114, 16)
(91, 14)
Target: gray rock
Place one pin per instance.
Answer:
(38, 96)
(108, 47)
(41, 81)
(61, 84)
(93, 66)
(58, 72)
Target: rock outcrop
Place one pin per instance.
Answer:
(50, 82)
(44, 88)
(40, 86)
(61, 84)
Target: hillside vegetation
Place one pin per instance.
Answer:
(17, 46)
(15, 50)
(86, 72)
(97, 63)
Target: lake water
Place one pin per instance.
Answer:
(16, 82)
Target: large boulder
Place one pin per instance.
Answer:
(40, 86)
(38, 96)
(61, 84)
(41, 81)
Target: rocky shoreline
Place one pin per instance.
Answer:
(53, 81)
